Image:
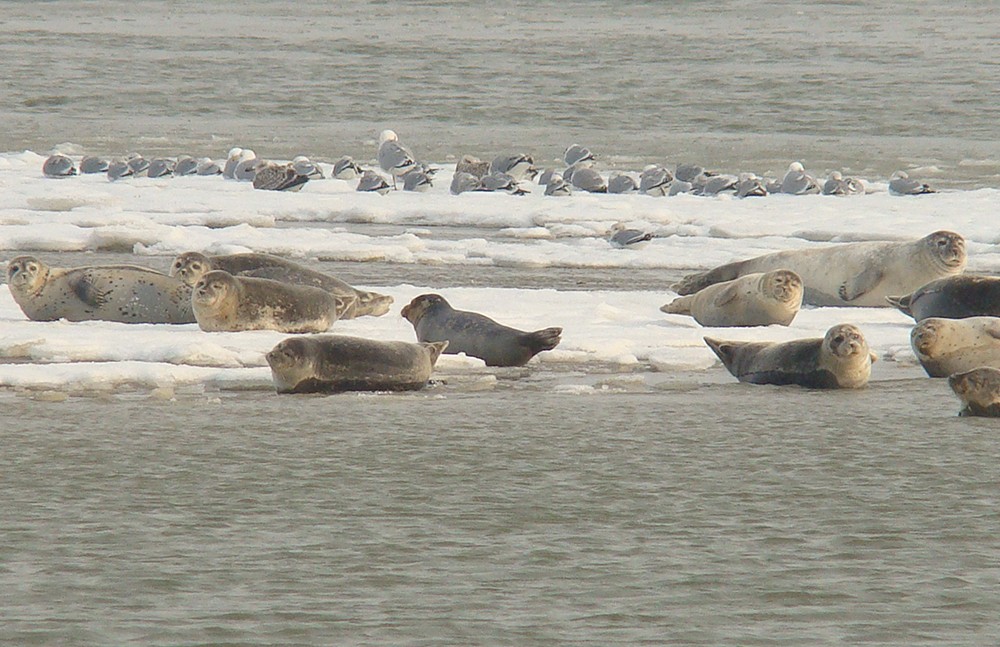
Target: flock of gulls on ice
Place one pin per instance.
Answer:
(957, 331)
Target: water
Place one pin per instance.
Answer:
(869, 87)
(555, 505)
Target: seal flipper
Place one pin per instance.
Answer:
(435, 348)
(679, 306)
(723, 350)
(86, 288)
(901, 303)
(545, 339)
(861, 284)
(701, 280)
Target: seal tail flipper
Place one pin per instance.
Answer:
(435, 348)
(901, 303)
(722, 349)
(679, 306)
(545, 339)
(345, 303)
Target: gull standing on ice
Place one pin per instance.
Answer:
(58, 166)
(798, 182)
(901, 184)
(622, 236)
(394, 158)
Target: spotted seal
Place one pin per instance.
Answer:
(946, 346)
(223, 302)
(979, 391)
(851, 274)
(190, 266)
(840, 360)
(474, 334)
(953, 297)
(758, 299)
(122, 293)
(332, 363)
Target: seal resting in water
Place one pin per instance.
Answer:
(190, 266)
(979, 391)
(333, 363)
(851, 274)
(122, 293)
(840, 360)
(758, 299)
(946, 346)
(226, 303)
(953, 297)
(474, 334)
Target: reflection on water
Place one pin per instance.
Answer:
(703, 514)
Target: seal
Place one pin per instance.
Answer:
(946, 346)
(953, 297)
(122, 293)
(334, 363)
(979, 391)
(474, 334)
(758, 299)
(190, 267)
(851, 274)
(840, 360)
(223, 302)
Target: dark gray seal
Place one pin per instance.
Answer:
(851, 274)
(334, 363)
(953, 297)
(122, 293)
(226, 303)
(474, 334)
(979, 391)
(190, 266)
(840, 360)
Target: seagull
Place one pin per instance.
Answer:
(137, 163)
(500, 182)
(160, 167)
(622, 236)
(305, 166)
(232, 159)
(691, 172)
(346, 169)
(119, 169)
(588, 179)
(417, 181)
(93, 164)
(716, 184)
(473, 166)
(517, 165)
(246, 168)
(621, 183)
(372, 181)
(208, 166)
(749, 186)
(58, 166)
(576, 153)
(798, 182)
(462, 182)
(901, 184)
(680, 186)
(186, 165)
(278, 177)
(837, 184)
(655, 180)
(557, 186)
(394, 158)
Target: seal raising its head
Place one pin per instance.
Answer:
(332, 363)
(979, 391)
(474, 334)
(840, 360)
(223, 302)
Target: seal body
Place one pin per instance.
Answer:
(474, 334)
(223, 302)
(953, 297)
(190, 266)
(851, 274)
(979, 391)
(333, 363)
(758, 299)
(840, 360)
(946, 346)
(122, 293)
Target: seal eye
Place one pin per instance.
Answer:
(196, 267)
(839, 339)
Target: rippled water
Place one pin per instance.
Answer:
(656, 509)
(745, 85)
